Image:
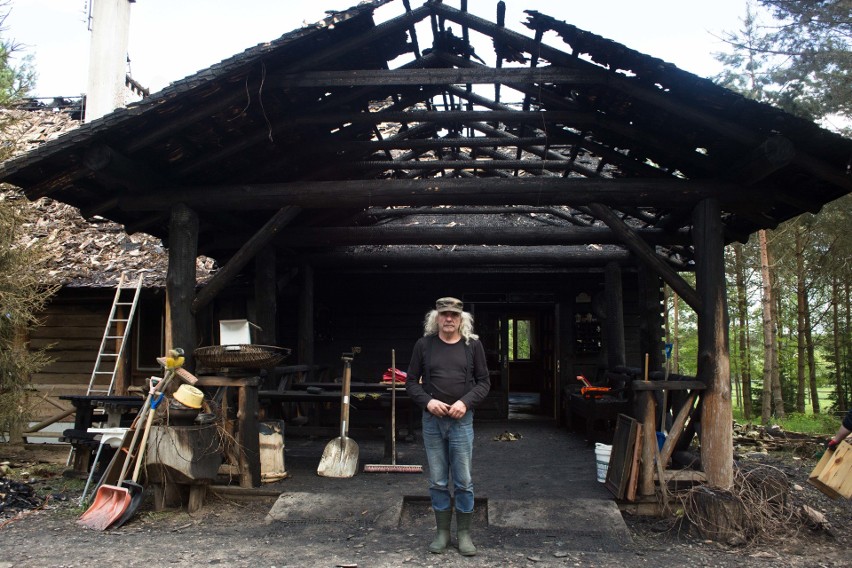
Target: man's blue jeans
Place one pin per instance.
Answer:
(449, 450)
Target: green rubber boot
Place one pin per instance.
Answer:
(443, 519)
(466, 547)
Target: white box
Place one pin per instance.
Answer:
(234, 332)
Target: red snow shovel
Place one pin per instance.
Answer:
(111, 501)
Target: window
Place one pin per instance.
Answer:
(520, 339)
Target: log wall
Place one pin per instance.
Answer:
(73, 326)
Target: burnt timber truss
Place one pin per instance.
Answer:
(323, 146)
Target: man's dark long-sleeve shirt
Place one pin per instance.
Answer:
(445, 380)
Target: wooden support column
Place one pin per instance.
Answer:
(180, 280)
(266, 297)
(713, 360)
(616, 355)
(306, 319)
(651, 331)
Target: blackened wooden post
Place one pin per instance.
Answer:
(651, 330)
(180, 280)
(265, 297)
(306, 319)
(717, 448)
(248, 437)
(615, 351)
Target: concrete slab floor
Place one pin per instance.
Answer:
(544, 480)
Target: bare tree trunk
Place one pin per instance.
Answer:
(777, 331)
(801, 301)
(676, 334)
(838, 360)
(847, 342)
(742, 317)
(812, 377)
(768, 335)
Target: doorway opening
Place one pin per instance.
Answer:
(520, 349)
(527, 353)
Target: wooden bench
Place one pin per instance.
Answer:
(374, 398)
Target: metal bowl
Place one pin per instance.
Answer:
(181, 415)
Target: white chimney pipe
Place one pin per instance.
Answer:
(110, 27)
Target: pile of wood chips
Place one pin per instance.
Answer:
(81, 252)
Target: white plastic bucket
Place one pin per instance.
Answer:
(602, 453)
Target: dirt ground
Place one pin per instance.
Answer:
(237, 533)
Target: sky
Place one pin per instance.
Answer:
(171, 39)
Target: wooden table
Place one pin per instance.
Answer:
(117, 411)
(376, 395)
(248, 440)
(596, 416)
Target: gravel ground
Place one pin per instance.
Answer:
(234, 533)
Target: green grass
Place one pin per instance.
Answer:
(815, 424)
(810, 423)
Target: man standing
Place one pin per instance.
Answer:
(448, 377)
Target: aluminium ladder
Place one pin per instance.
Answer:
(115, 336)
(113, 342)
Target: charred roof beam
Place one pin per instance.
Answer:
(262, 136)
(505, 256)
(465, 235)
(623, 161)
(438, 142)
(443, 191)
(521, 76)
(445, 117)
(681, 153)
(649, 95)
(480, 210)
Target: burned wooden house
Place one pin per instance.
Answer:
(349, 173)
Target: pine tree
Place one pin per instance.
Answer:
(796, 53)
(22, 295)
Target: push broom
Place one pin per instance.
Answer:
(393, 467)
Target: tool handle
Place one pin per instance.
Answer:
(145, 438)
(142, 413)
(344, 403)
(393, 406)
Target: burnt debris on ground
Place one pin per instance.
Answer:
(16, 496)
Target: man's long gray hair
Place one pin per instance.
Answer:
(430, 325)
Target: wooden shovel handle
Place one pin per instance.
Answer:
(142, 444)
(344, 402)
(142, 413)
